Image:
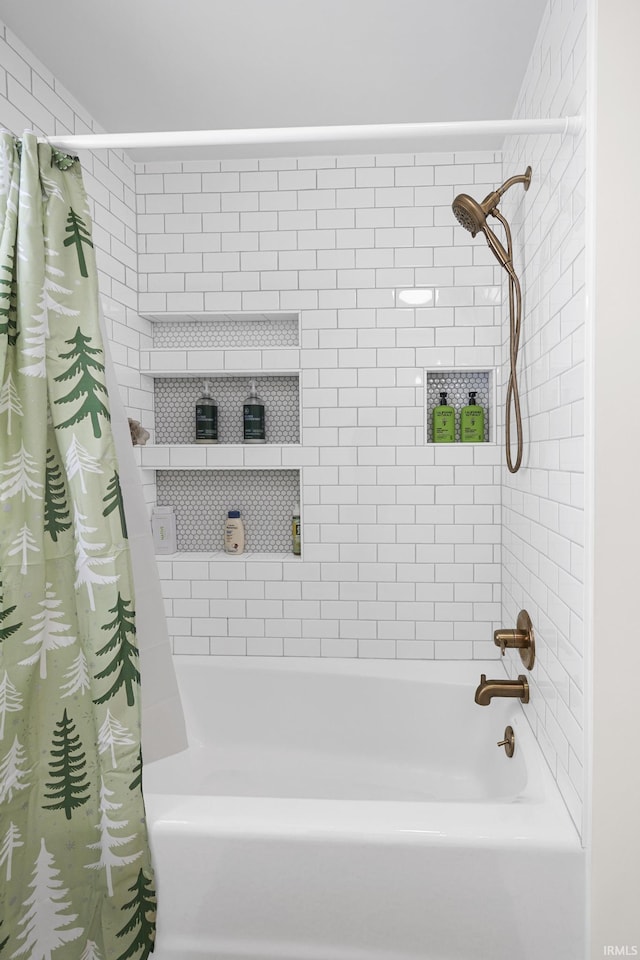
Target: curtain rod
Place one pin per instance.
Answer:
(296, 135)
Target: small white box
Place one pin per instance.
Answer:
(163, 528)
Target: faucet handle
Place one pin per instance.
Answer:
(521, 639)
(510, 638)
(500, 640)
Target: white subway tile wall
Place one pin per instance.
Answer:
(543, 523)
(31, 98)
(401, 552)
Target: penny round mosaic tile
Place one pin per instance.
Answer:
(207, 334)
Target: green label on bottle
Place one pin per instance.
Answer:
(444, 425)
(472, 425)
(254, 421)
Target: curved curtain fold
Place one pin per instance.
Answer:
(76, 880)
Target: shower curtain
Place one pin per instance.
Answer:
(76, 880)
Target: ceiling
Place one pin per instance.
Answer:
(225, 64)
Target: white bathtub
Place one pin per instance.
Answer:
(358, 810)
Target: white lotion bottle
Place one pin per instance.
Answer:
(233, 533)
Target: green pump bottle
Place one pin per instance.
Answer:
(444, 422)
(472, 421)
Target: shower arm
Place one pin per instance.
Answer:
(519, 178)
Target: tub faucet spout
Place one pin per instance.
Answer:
(487, 689)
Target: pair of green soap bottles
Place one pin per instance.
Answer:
(471, 421)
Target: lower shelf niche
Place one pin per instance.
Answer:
(457, 384)
(201, 499)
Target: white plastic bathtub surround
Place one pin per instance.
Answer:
(32, 98)
(543, 505)
(401, 541)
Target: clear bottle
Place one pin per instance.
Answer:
(206, 416)
(296, 540)
(472, 421)
(444, 422)
(233, 533)
(253, 416)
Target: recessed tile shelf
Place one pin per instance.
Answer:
(208, 316)
(175, 403)
(219, 556)
(457, 383)
(201, 499)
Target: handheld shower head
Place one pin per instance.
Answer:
(469, 213)
(473, 215)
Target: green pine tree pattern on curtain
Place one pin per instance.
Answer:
(76, 879)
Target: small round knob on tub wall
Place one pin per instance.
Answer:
(509, 742)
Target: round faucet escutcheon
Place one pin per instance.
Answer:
(509, 742)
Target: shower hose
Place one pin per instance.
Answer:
(512, 401)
